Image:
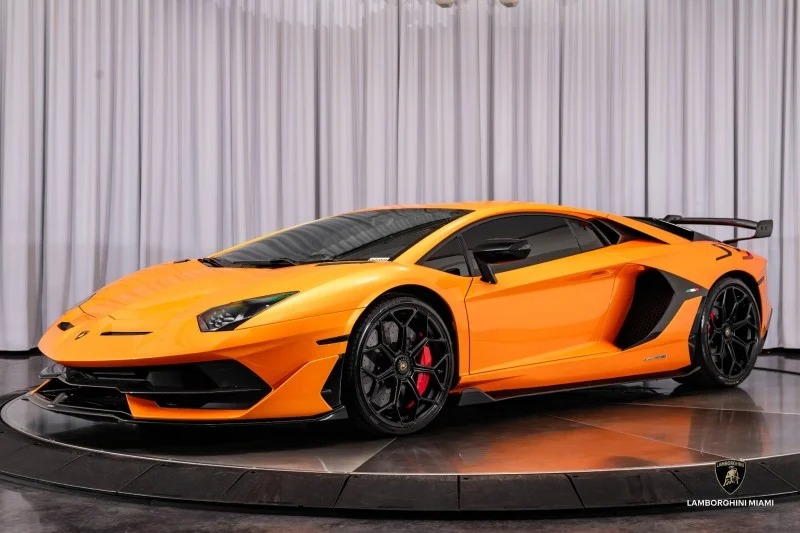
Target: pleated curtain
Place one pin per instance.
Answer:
(133, 133)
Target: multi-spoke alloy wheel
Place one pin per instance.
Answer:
(399, 366)
(729, 335)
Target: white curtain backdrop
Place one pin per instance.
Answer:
(138, 132)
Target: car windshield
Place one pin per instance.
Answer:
(378, 235)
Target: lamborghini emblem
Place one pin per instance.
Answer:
(81, 334)
(730, 475)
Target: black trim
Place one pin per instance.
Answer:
(487, 272)
(462, 244)
(766, 332)
(727, 251)
(608, 233)
(476, 396)
(333, 340)
(681, 286)
(693, 334)
(123, 333)
(640, 326)
(667, 226)
(223, 384)
(332, 389)
(52, 371)
(348, 262)
(571, 222)
(87, 403)
(652, 295)
(118, 416)
(617, 233)
(762, 228)
(465, 252)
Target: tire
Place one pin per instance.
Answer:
(399, 367)
(728, 336)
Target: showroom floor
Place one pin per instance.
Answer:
(25, 507)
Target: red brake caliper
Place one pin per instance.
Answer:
(425, 359)
(423, 379)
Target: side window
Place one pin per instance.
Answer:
(549, 236)
(448, 258)
(587, 237)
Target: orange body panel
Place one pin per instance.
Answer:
(546, 325)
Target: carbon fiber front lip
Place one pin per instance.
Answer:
(88, 413)
(101, 415)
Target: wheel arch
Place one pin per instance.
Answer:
(439, 304)
(750, 281)
(694, 337)
(740, 275)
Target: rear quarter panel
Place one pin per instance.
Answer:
(702, 262)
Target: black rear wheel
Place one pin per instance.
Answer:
(399, 367)
(728, 336)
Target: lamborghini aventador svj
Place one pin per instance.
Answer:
(382, 315)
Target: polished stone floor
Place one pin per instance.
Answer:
(639, 425)
(758, 419)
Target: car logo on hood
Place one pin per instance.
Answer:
(81, 334)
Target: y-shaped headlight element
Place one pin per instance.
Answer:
(229, 316)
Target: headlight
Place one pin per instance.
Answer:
(228, 316)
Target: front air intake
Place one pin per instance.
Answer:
(225, 384)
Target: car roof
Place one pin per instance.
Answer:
(492, 207)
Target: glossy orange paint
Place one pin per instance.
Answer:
(545, 325)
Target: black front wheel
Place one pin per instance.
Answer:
(728, 336)
(399, 367)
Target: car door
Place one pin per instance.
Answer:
(551, 305)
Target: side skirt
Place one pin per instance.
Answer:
(473, 396)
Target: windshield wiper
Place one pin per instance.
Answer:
(267, 263)
(319, 258)
(212, 262)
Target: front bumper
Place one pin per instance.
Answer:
(294, 359)
(207, 392)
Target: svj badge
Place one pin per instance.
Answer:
(730, 475)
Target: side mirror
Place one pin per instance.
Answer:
(496, 251)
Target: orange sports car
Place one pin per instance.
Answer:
(385, 315)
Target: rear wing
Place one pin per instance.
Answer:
(763, 228)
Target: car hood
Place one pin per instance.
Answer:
(165, 292)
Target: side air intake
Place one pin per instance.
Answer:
(652, 297)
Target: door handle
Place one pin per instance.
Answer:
(600, 274)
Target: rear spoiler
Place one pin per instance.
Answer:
(763, 228)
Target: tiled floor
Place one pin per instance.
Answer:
(758, 419)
